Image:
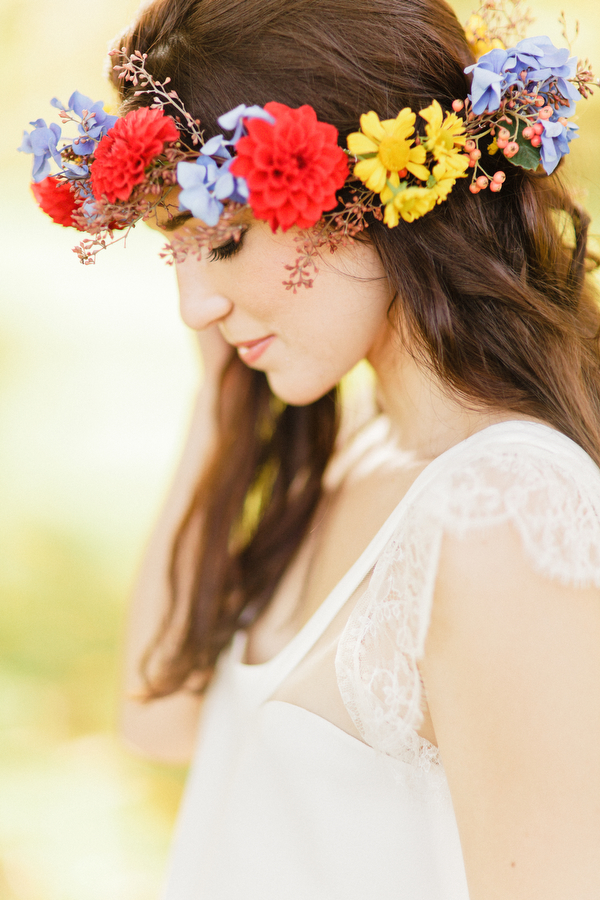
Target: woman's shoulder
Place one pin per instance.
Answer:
(482, 523)
(532, 477)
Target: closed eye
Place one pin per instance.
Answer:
(228, 249)
(176, 222)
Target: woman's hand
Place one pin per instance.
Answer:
(215, 357)
(165, 728)
(215, 352)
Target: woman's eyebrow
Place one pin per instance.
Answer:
(175, 221)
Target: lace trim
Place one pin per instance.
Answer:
(552, 496)
(376, 661)
(554, 505)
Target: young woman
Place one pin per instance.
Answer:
(374, 625)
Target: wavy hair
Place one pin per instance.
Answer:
(492, 288)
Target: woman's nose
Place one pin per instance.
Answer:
(199, 304)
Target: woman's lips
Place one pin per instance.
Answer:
(252, 350)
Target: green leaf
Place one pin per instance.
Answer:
(397, 190)
(528, 157)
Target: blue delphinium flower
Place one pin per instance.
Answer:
(541, 62)
(74, 172)
(205, 185)
(541, 58)
(556, 138)
(230, 187)
(97, 122)
(42, 142)
(234, 119)
(217, 146)
(488, 81)
(194, 179)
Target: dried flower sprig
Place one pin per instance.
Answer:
(333, 231)
(498, 24)
(103, 217)
(585, 79)
(134, 70)
(564, 30)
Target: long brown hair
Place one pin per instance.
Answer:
(492, 288)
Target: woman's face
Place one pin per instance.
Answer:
(304, 342)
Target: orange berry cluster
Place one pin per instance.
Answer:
(483, 182)
(503, 141)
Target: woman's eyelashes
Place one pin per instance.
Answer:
(228, 249)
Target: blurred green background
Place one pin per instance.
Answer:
(96, 380)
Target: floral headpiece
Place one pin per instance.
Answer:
(287, 167)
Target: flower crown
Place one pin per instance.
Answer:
(287, 166)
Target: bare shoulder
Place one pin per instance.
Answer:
(512, 673)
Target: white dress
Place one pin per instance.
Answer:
(283, 805)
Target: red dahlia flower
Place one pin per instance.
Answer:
(124, 153)
(293, 168)
(57, 200)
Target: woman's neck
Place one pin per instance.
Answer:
(426, 417)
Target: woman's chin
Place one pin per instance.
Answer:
(297, 394)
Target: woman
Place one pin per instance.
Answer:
(386, 627)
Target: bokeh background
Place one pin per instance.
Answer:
(96, 380)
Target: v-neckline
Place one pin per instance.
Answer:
(305, 638)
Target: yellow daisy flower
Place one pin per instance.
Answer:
(446, 174)
(409, 203)
(392, 187)
(414, 202)
(445, 137)
(385, 148)
(457, 165)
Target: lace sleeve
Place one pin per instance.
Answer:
(550, 494)
(376, 661)
(552, 500)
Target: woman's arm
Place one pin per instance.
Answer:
(165, 728)
(512, 673)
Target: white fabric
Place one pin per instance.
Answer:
(522, 473)
(282, 803)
